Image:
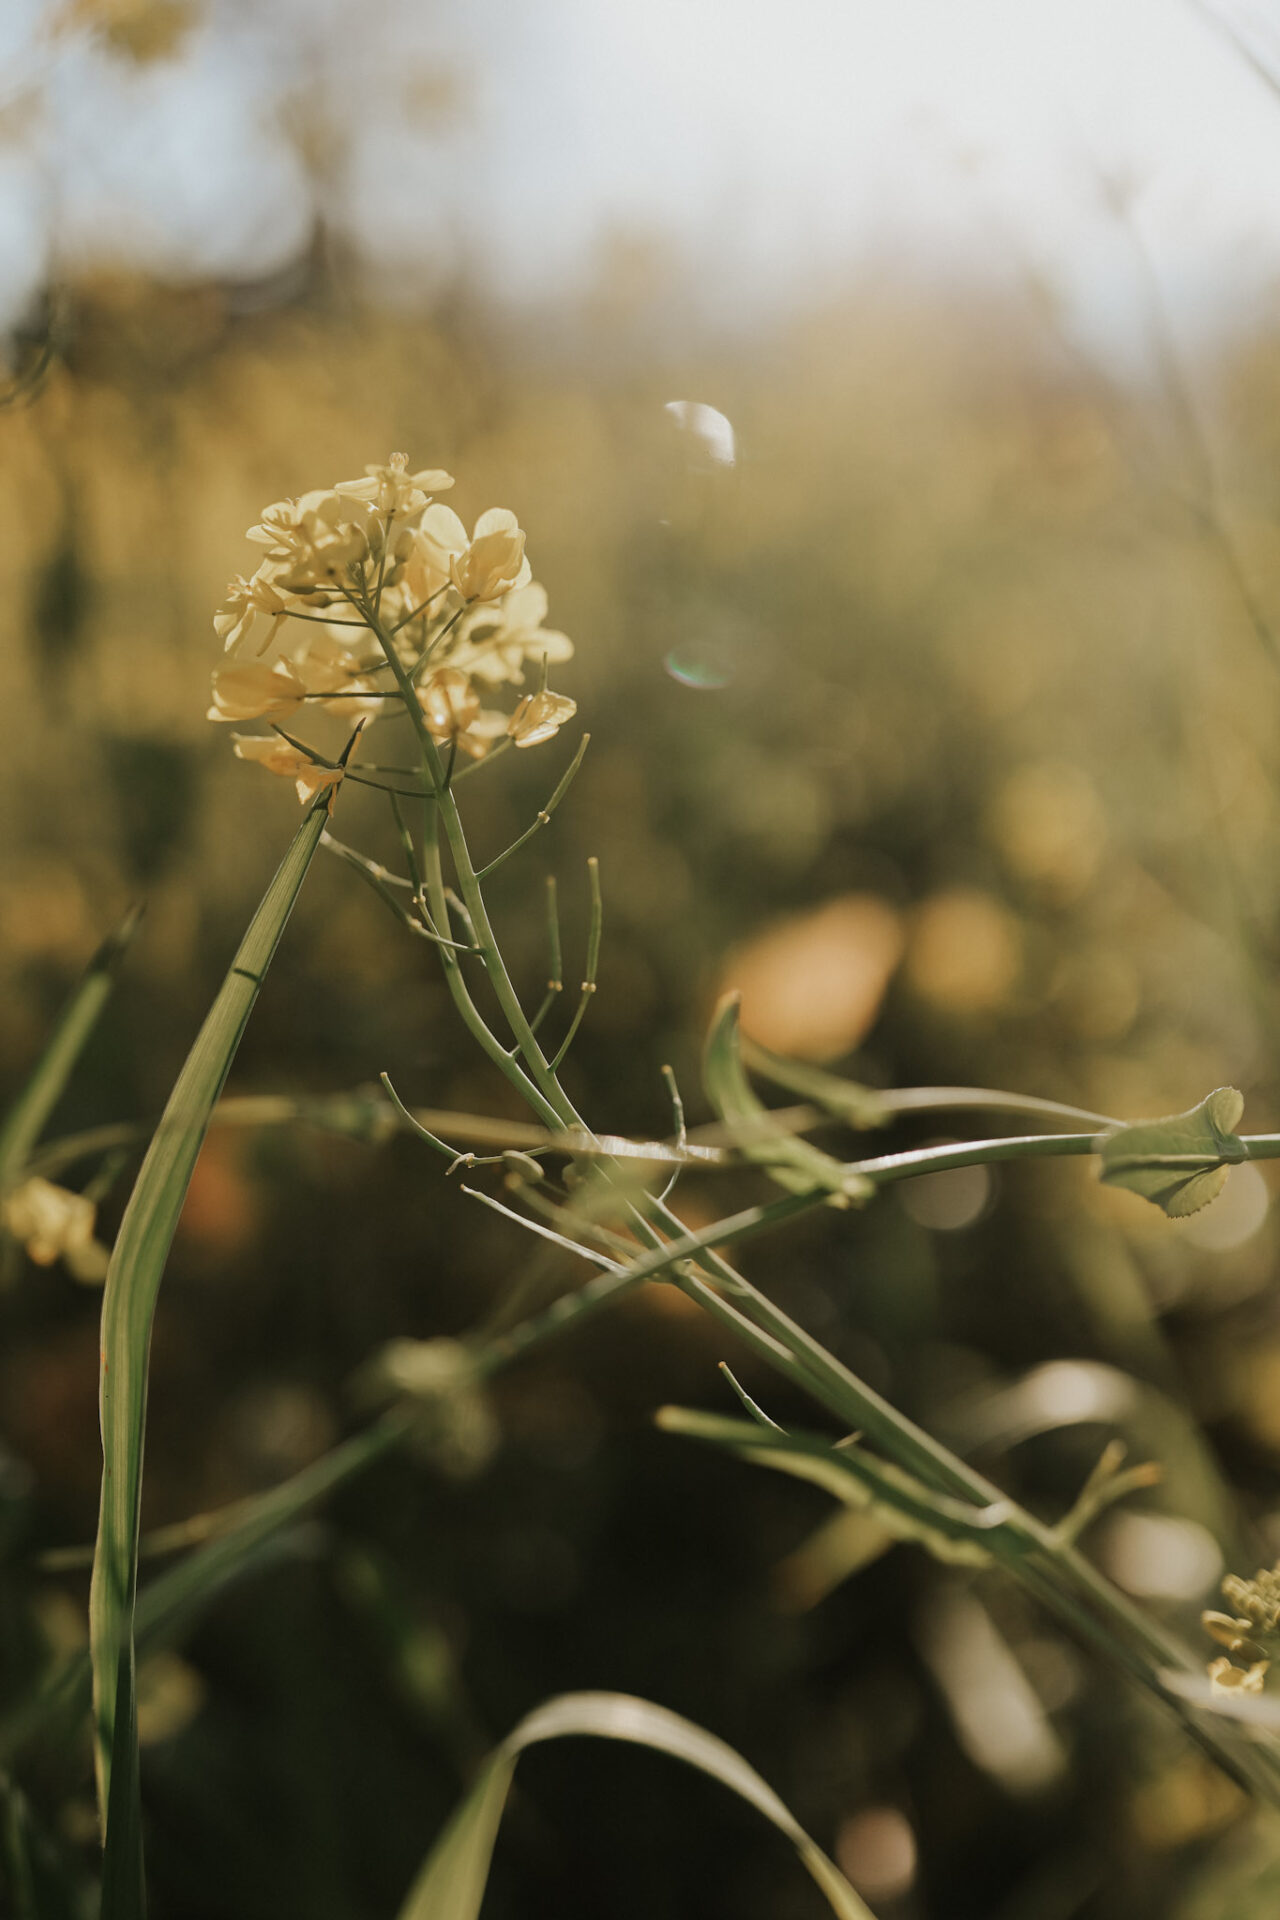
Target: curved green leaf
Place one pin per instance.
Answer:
(451, 1885)
(133, 1282)
(862, 1108)
(794, 1163)
(1180, 1163)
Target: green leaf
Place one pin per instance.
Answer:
(451, 1884)
(26, 1119)
(133, 1282)
(794, 1163)
(859, 1107)
(953, 1532)
(1181, 1163)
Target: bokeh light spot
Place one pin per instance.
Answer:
(812, 985)
(876, 1849)
(966, 951)
(948, 1201)
(1239, 1212)
(706, 666)
(708, 434)
(1158, 1557)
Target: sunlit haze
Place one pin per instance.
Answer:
(819, 139)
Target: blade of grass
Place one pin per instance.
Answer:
(451, 1885)
(16, 1849)
(168, 1605)
(133, 1281)
(26, 1119)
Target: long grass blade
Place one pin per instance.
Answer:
(133, 1281)
(26, 1119)
(172, 1602)
(451, 1884)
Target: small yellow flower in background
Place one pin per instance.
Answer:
(1244, 1666)
(1226, 1678)
(498, 639)
(256, 692)
(539, 716)
(53, 1224)
(393, 489)
(278, 756)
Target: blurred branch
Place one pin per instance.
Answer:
(1261, 67)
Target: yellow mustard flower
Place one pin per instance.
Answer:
(539, 716)
(256, 692)
(313, 540)
(498, 639)
(278, 756)
(53, 1224)
(449, 701)
(251, 607)
(494, 562)
(482, 566)
(393, 489)
(325, 664)
(454, 714)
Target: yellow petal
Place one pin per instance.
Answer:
(442, 528)
(496, 520)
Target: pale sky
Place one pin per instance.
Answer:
(781, 145)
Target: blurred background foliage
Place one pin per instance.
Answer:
(935, 707)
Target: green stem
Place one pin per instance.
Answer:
(551, 1104)
(543, 818)
(888, 1167)
(1066, 1582)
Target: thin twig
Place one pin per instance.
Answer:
(543, 819)
(594, 932)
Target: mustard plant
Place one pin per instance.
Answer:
(373, 603)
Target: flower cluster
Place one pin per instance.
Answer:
(375, 567)
(1243, 1668)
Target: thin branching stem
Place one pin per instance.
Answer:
(382, 882)
(1050, 1569)
(555, 965)
(681, 1130)
(546, 1233)
(594, 931)
(543, 818)
(417, 612)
